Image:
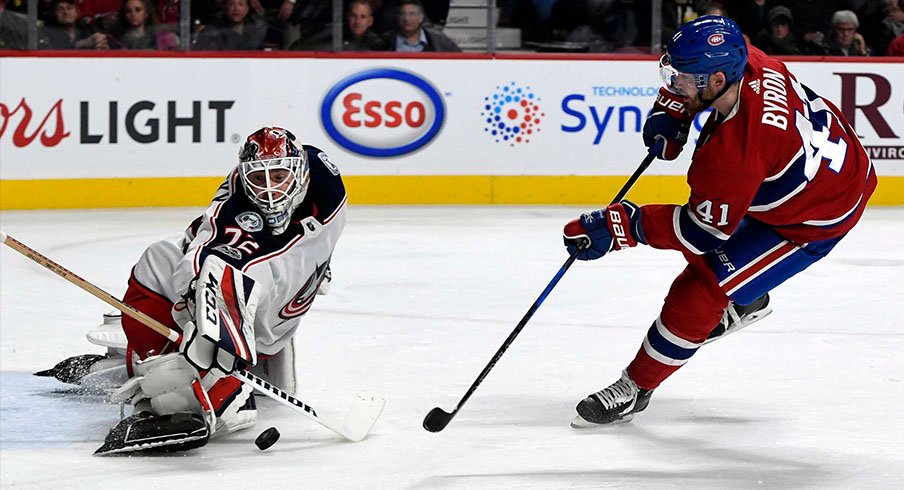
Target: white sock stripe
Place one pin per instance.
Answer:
(659, 357)
(674, 339)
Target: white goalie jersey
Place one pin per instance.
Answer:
(288, 267)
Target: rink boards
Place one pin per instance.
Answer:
(104, 131)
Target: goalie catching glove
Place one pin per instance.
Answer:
(219, 330)
(597, 233)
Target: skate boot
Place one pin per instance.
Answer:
(616, 404)
(737, 317)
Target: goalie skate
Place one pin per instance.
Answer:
(145, 431)
(615, 404)
(737, 317)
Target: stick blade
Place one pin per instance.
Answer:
(437, 420)
(362, 416)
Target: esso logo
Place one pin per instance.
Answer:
(716, 39)
(382, 113)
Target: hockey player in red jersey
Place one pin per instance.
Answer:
(777, 178)
(235, 284)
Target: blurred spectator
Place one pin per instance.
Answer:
(749, 14)
(13, 28)
(812, 21)
(136, 28)
(674, 14)
(413, 36)
(896, 47)
(776, 38)
(65, 31)
(844, 40)
(234, 28)
(168, 11)
(356, 33)
(435, 13)
(892, 26)
(278, 14)
(311, 17)
(101, 13)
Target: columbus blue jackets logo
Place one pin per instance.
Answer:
(250, 221)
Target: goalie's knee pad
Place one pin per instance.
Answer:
(231, 400)
(165, 382)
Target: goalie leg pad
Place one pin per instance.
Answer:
(145, 431)
(279, 369)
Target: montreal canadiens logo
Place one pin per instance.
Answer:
(716, 39)
(382, 112)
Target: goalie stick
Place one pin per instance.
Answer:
(356, 425)
(437, 419)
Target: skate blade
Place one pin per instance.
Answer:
(580, 423)
(753, 318)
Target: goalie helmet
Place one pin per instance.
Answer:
(707, 45)
(275, 174)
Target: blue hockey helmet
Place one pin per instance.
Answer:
(707, 45)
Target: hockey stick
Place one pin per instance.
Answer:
(362, 415)
(437, 419)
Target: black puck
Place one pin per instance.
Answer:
(267, 438)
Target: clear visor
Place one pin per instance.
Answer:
(685, 84)
(272, 183)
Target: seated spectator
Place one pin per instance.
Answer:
(892, 25)
(280, 16)
(13, 28)
(844, 40)
(100, 13)
(776, 38)
(66, 32)
(356, 32)
(168, 11)
(234, 28)
(136, 28)
(413, 36)
(896, 47)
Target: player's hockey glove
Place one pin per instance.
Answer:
(220, 330)
(599, 232)
(666, 129)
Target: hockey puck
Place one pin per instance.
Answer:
(267, 438)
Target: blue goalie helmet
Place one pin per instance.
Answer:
(707, 45)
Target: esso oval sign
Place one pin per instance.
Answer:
(382, 113)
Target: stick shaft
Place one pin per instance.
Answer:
(90, 288)
(549, 287)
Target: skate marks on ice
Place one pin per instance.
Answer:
(671, 447)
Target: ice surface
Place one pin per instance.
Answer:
(422, 297)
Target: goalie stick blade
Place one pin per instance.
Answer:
(437, 420)
(362, 416)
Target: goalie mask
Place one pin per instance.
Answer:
(275, 175)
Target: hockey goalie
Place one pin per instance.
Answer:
(235, 284)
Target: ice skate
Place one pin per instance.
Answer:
(616, 404)
(737, 317)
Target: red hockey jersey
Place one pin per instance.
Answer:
(783, 155)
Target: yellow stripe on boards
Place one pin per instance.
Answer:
(376, 189)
